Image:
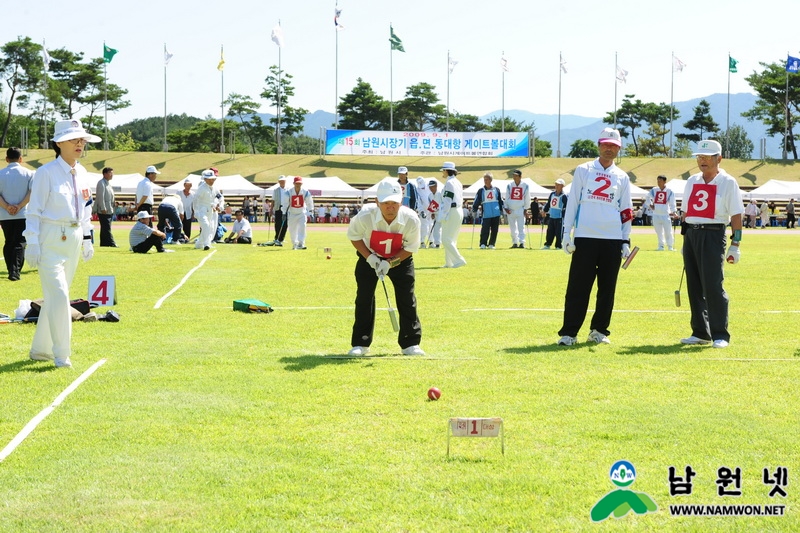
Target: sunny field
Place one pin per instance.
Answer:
(205, 419)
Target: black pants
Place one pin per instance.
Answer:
(187, 226)
(704, 257)
(280, 225)
(489, 228)
(554, 228)
(106, 237)
(145, 207)
(169, 212)
(152, 240)
(14, 247)
(790, 220)
(402, 278)
(592, 259)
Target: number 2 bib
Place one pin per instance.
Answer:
(385, 244)
(702, 201)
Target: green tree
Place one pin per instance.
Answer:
(542, 148)
(583, 148)
(495, 124)
(277, 91)
(245, 109)
(123, 142)
(419, 110)
(301, 144)
(149, 132)
(204, 136)
(770, 107)
(363, 109)
(701, 122)
(22, 67)
(630, 116)
(739, 144)
(459, 122)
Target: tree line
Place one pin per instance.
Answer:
(43, 86)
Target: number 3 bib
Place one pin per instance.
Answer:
(702, 201)
(385, 244)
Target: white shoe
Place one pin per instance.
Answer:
(545, 247)
(671, 249)
(413, 350)
(358, 350)
(599, 338)
(566, 340)
(491, 246)
(720, 343)
(168, 251)
(40, 356)
(63, 363)
(660, 249)
(458, 265)
(695, 340)
(483, 246)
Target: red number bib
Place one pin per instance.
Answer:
(661, 197)
(297, 200)
(702, 201)
(516, 193)
(433, 206)
(385, 244)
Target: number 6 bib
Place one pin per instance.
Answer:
(702, 201)
(386, 244)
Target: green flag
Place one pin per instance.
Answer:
(732, 64)
(108, 53)
(395, 41)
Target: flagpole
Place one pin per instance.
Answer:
(728, 123)
(336, 76)
(391, 96)
(447, 125)
(503, 99)
(616, 70)
(671, 103)
(222, 101)
(560, 70)
(44, 143)
(165, 148)
(105, 99)
(279, 148)
(786, 120)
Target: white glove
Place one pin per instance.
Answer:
(32, 255)
(374, 261)
(566, 244)
(626, 250)
(733, 255)
(383, 268)
(88, 250)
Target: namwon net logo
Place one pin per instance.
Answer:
(619, 502)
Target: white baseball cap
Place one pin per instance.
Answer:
(402, 170)
(610, 136)
(447, 165)
(143, 214)
(209, 175)
(389, 192)
(151, 169)
(559, 181)
(67, 130)
(708, 147)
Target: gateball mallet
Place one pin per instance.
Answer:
(392, 312)
(678, 292)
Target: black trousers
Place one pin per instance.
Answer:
(402, 278)
(152, 240)
(280, 225)
(489, 229)
(554, 228)
(187, 226)
(169, 212)
(704, 257)
(106, 237)
(14, 247)
(790, 220)
(592, 259)
(145, 207)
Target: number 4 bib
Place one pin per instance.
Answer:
(702, 201)
(386, 244)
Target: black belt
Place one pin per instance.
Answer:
(453, 205)
(716, 227)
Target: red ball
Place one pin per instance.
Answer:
(434, 393)
(327, 257)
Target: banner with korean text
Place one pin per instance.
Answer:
(426, 143)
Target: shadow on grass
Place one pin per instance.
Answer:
(627, 350)
(26, 365)
(310, 362)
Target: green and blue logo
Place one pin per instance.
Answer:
(619, 502)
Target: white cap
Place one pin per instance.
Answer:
(447, 165)
(143, 214)
(610, 136)
(389, 191)
(402, 170)
(209, 175)
(708, 147)
(151, 169)
(67, 130)
(559, 181)
(281, 178)
(187, 180)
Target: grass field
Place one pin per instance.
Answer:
(205, 419)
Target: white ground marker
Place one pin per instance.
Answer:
(184, 280)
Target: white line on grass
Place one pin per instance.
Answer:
(184, 280)
(543, 310)
(35, 421)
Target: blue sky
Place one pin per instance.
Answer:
(477, 33)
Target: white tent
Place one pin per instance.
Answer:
(775, 190)
(123, 183)
(537, 191)
(372, 192)
(637, 193)
(234, 185)
(677, 186)
(327, 187)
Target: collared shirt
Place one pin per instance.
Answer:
(104, 197)
(663, 201)
(139, 233)
(453, 193)
(53, 198)
(727, 199)
(144, 190)
(304, 198)
(175, 201)
(599, 205)
(243, 225)
(370, 219)
(280, 199)
(203, 198)
(517, 196)
(15, 182)
(187, 200)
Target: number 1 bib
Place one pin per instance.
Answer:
(386, 244)
(297, 200)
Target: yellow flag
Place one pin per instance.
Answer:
(221, 64)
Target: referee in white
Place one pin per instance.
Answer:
(58, 227)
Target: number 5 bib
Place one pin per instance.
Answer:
(702, 201)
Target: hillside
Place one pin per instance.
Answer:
(363, 170)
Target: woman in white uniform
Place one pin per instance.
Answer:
(204, 200)
(58, 230)
(450, 211)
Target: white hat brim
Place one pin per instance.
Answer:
(77, 135)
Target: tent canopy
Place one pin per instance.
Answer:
(327, 187)
(775, 190)
(372, 192)
(537, 191)
(233, 185)
(123, 183)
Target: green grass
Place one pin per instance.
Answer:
(366, 170)
(204, 419)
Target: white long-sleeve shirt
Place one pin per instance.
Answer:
(599, 205)
(452, 197)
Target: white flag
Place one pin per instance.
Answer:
(336, 22)
(277, 35)
(167, 56)
(46, 58)
(504, 64)
(622, 74)
(563, 66)
(453, 64)
(677, 64)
